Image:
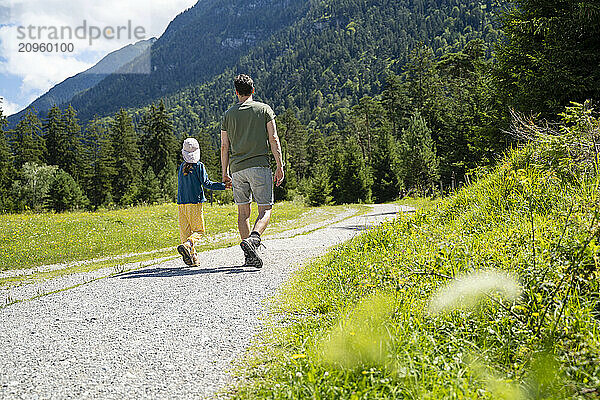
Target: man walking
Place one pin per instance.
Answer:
(248, 131)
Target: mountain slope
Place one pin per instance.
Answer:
(198, 44)
(338, 52)
(316, 57)
(64, 91)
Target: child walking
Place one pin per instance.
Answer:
(191, 177)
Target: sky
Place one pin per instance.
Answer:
(26, 75)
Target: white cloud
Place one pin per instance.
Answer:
(40, 71)
(9, 108)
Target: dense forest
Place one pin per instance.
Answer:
(413, 98)
(294, 50)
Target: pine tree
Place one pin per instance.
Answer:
(159, 141)
(73, 158)
(209, 154)
(29, 145)
(286, 190)
(424, 87)
(7, 172)
(160, 149)
(316, 150)
(350, 174)
(396, 103)
(550, 56)
(104, 171)
(150, 191)
(128, 162)
(64, 194)
(319, 187)
(419, 166)
(56, 137)
(167, 179)
(384, 165)
(367, 118)
(294, 142)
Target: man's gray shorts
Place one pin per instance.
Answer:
(252, 182)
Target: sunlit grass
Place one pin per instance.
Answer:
(419, 203)
(30, 240)
(491, 293)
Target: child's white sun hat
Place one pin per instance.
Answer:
(191, 151)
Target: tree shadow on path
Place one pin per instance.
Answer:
(183, 271)
(353, 227)
(381, 214)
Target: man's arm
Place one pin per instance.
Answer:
(225, 158)
(276, 150)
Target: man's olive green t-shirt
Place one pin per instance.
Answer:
(246, 126)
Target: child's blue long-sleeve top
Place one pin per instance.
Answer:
(189, 187)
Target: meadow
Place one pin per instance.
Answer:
(31, 240)
(491, 293)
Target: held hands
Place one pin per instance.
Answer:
(227, 181)
(279, 175)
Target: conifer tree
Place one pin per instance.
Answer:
(316, 150)
(396, 103)
(128, 162)
(159, 140)
(319, 187)
(419, 165)
(167, 179)
(209, 154)
(64, 194)
(56, 137)
(424, 87)
(73, 161)
(160, 148)
(550, 56)
(150, 191)
(362, 118)
(294, 138)
(7, 173)
(350, 174)
(29, 145)
(384, 166)
(104, 171)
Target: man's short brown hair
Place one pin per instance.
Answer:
(244, 85)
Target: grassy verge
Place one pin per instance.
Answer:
(419, 203)
(287, 216)
(29, 240)
(492, 294)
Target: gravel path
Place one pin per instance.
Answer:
(29, 289)
(165, 331)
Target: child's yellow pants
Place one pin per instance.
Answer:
(191, 222)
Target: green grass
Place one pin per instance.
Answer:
(418, 203)
(30, 240)
(357, 323)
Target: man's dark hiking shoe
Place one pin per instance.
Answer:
(250, 246)
(186, 252)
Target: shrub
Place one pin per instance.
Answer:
(64, 193)
(30, 190)
(318, 188)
